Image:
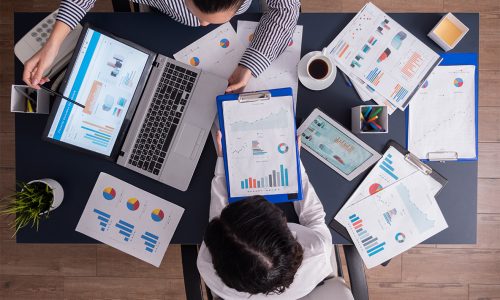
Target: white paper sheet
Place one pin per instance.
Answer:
(366, 93)
(218, 52)
(387, 57)
(394, 219)
(261, 147)
(129, 219)
(442, 114)
(283, 71)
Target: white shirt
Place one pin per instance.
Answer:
(312, 234)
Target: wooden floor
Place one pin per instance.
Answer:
(426, 272)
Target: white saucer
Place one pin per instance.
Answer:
(311, 83)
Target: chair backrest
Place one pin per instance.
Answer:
(333, 288)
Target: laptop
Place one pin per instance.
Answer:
(143, 110)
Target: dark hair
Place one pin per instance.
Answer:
(252, 248)
(213, 6)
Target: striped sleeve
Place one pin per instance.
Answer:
(272, 35)
(72, 11)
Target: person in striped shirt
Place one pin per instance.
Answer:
(272, 35)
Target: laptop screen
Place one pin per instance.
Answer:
(104, 78)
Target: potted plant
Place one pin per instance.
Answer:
(32, 202)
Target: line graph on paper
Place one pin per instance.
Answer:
(442, 115)
(271, 121)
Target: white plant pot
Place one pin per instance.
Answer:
(57, 191)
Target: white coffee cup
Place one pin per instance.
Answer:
(320, 67)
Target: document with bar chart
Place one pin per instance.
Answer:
(391, 168)
(394, 219)
(129, 219)
(388, 58)
(260, 147)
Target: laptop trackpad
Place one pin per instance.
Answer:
(189, 141)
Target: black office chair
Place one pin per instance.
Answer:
(196, 290)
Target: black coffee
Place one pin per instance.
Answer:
(318, 69)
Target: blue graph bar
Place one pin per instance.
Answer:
(125, 233)
(242, 184)
(246, 183)
(375, 248)
(373, 253)
(101, 213)
(352, 217)
(389, 172)
(388, 166)
(354, 220)
(359, 230)
(151, 235)
(282, 172)
(102, 135)
(126, 224)
(148, 239)
(103, 219)
(96, 138)
(149, 249)
(286, 177)
(90, 129)
(103, 224)
(100, 144)
(149, 245)
(123, 227)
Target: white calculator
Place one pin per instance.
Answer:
(37, 37)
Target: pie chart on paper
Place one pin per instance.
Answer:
(157, 215)
(133, 204)
(374, 188)
(458, 82)
(224, 43)
(194, 61)
(109, 193)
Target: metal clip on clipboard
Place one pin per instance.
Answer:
(254, 96)
(413, 160)
(442, 156)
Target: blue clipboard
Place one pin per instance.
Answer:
(275, 198)
(455, 59)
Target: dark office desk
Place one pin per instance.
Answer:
(78, 172)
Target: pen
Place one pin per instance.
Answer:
(52, 92)
(372, 119)
(347, 81)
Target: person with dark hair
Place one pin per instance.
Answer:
(271, 38)
(251, 252)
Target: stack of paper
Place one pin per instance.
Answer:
(393, 210)
(384, 61)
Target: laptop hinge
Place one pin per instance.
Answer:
(156, 64)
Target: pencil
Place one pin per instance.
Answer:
(372, 119)
(52, 92)
(376, 112)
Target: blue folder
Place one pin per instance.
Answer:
(276, 198)
(455, 59)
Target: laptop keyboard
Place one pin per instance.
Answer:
(163, 117)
